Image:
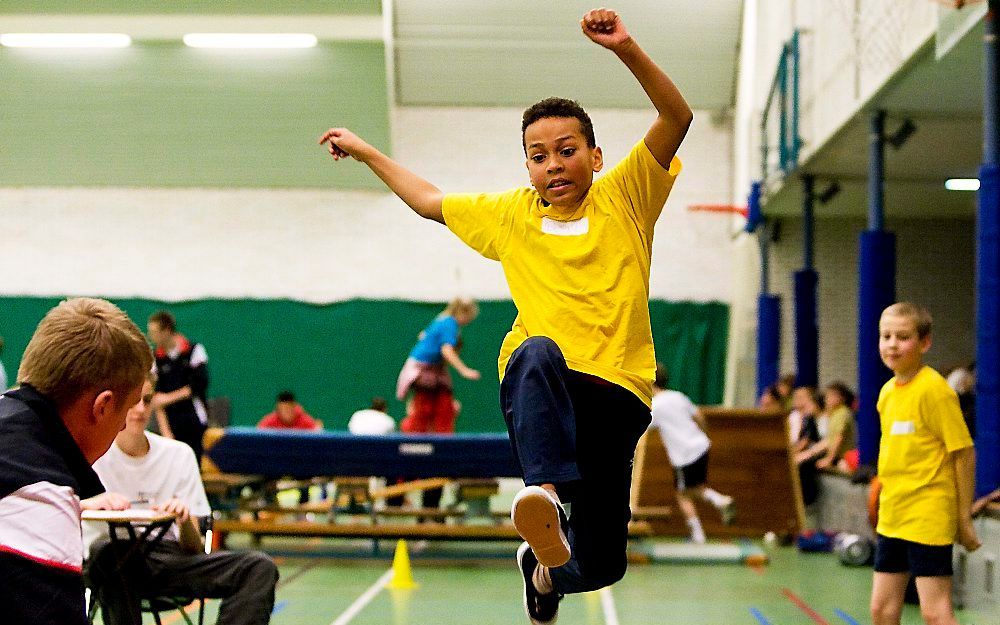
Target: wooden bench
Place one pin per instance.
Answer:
(436, 531)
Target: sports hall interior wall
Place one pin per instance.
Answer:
(940, 249)
(255, 228)
(335, 357)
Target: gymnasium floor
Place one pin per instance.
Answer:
(319, 586)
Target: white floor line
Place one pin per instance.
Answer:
(366, 598)
(608, 605)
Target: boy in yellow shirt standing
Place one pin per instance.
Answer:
(577, 367)
(927, 468)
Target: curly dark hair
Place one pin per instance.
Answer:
(558, 107)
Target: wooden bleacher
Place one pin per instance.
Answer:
(749, 460)
(383, 530)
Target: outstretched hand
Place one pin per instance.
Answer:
(605, 28)
(343, 143)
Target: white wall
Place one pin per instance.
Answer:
(324, 246)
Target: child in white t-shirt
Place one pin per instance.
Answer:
(682, 429)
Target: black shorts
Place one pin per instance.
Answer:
(895, 555)
(692, 475)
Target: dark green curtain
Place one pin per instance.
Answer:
(335, 357)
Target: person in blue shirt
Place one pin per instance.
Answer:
(425, 371)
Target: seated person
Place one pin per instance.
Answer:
(840, 438)
(373, 420)
(770, 400)
(805, 403)
(289, 415)
(141, 466)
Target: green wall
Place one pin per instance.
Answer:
(336, 357)
(162, 114)
(166, 7)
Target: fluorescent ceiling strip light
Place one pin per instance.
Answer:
(250, 40)
(962, 184)
(65, 40)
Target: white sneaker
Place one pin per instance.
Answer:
(538, 518)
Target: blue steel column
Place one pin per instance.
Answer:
(876, 290)
(768, 306)
(805, 284)
(988, 273)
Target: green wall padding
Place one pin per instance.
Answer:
(336, 357)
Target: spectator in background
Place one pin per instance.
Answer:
(770, 400)
(179, 403)
(840, 433)
(785, 386)
(3, 372)
(963, 381)
(373, 420)
(806, 404)
(289, 415)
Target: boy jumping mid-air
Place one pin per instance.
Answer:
(577, 366)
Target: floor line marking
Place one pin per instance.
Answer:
(305, 568)
(847, 617)
(757, 614)
(802, 605)
(362, 601)
(608, 606)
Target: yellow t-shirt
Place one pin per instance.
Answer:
(921, 426)
(579, 276)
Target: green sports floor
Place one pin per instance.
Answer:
(326, 583)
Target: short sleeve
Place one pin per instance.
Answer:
(944, 418)
(644, 183)
(476, 219)
(449, 331)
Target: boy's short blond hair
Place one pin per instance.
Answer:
(85, 344)
(921, 316)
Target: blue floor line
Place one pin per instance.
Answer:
(845, 616)
(279, 606)
(759, 616)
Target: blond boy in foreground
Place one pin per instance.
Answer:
(927, 467)
(80, 374)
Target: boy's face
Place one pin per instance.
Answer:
(802, 400)
(138, 415)
(286, 411)
(900, 347)
(560, 163)
(109, 417)
(832, 398)
(157, 333)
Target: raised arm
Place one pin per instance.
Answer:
(420, 195)
(605, 28)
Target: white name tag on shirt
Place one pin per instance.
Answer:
(902, 427)
(565, 228)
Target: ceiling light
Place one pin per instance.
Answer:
(65, 40)
(250, 40)
(962, 184)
